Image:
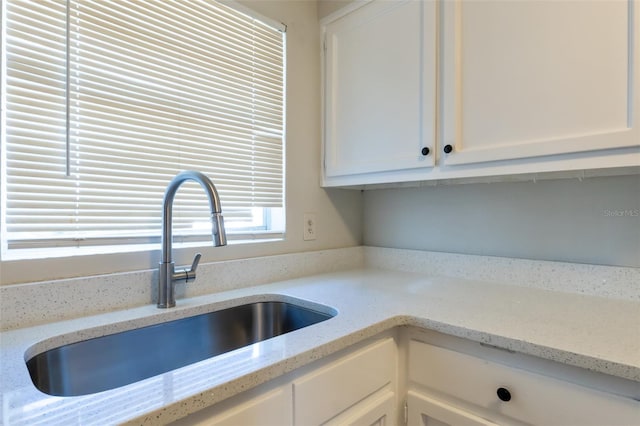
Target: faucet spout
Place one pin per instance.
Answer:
(167, 273)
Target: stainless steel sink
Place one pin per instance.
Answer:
(115, 360)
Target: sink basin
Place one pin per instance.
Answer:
(115, 360)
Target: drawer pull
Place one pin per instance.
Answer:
(425, 151)
(504, 394)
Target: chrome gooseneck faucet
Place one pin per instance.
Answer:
(168, 273)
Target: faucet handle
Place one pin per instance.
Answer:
(196, 260)
(191, 273)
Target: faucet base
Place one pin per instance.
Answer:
(166, 295)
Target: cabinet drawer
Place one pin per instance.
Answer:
(534, 398)
(328, 391)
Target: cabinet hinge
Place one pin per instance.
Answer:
(406, 412)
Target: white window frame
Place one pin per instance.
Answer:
(254, 233)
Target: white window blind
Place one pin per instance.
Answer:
(105, 101)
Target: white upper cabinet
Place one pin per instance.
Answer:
(489, 87)
(534, 78)
(370, 124)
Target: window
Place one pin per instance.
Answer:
(105, 101)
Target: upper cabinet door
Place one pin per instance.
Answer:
(532, 78)
(380, 88)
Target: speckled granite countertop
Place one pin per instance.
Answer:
(595, 333)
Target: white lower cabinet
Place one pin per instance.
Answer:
(459, 383)
(355, 387)
(453, 388)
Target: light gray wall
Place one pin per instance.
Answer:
(596, 220)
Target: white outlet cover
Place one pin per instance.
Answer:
(309, 230)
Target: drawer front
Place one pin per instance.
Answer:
(533, 398)
(328, 391)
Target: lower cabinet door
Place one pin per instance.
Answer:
(426, 411)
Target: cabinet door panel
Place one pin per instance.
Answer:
(380, 65)
(534, 78)
(426, 411)
(378, 410)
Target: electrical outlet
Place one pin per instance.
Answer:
(309, 232)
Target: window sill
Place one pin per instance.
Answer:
(75, 262)
(26, 254)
